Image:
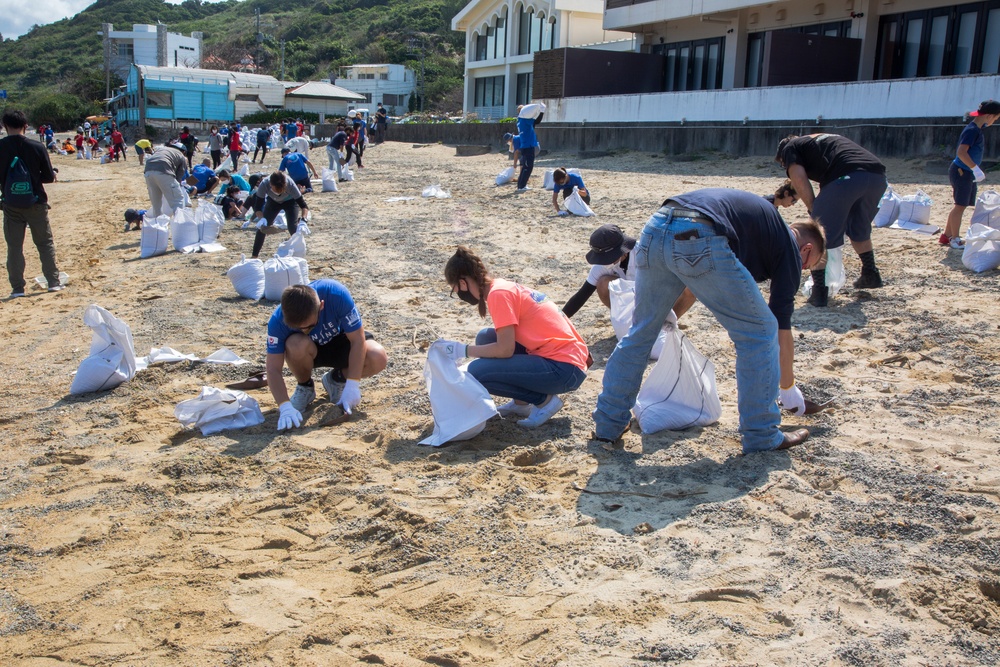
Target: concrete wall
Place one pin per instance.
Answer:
(886, 138)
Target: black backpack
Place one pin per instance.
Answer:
(17, 191)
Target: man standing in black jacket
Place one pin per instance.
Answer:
(20, 214)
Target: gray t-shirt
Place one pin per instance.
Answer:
(291, 191)
(167, 160)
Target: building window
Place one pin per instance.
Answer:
(501, 36)
(693, 65)
(383, 76)
(489, 91)
(523, 95)
(159, 98)
(755, 46)
(125, 49)
(944, 41)
(481, 47)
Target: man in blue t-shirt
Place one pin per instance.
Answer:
(318, 326)
(965, 171)
(295, 165)
(206, 178)
(719, 243)
(291, 129)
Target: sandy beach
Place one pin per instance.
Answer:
(127, 540)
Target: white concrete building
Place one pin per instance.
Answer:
(322, 98)
(502, 37)
(150, 45)
(391, 85)
(749, 60)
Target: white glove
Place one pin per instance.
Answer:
(288, 416)
(456, 351)
(350, 397)
(978, 173)
(791, 399)
(563, 213)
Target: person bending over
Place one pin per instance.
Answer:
(565, 182)
(297, 166)
(277, 194)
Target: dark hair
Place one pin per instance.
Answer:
(465, 264)
(786, 189)
(813, 233)
(559, 175)
(14, 119)
(782, 144)
(298, 304)
(255, 180)
(277, 180)
(223, 173)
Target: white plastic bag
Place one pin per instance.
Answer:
(215, 410)
(247, 277)
(436, 191)
(461, 406)
(112, 355)
(835, 276)
(348, 175)
(329, 180)
(154, 236)
(210, 220)
(294, 245)
(982, 248)
(680, 391)
(987, 209)
(548, 178)
(576, 205)
(505, 176)
(244, 170)
(44, 283)
(622, 294)
(184, 230)
(888, 209)
(281, 272)
(915, 208)
(531, 110)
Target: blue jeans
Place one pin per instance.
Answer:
(706, 264)
(524, 377)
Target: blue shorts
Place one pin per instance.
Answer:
(963, 184)
(847, 206)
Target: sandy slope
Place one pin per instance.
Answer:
(127, 541)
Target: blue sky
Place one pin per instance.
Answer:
(16, 23)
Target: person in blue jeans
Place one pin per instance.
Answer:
(719, 243)
(532, 355)
(528, 117)
(965, 171)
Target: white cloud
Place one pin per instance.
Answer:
(16, 23)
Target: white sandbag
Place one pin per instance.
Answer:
(915, 208)
(329, 180)
(184, 230)
(460, 405)
(680, 391)
(531, 110)
(548, 178)
(576, 205)
(215, 410)
(436, 192)
(622, 294)
(281, 272)
(982, 248)
(247, 277)
(155, 236)
(835, 275)
(112, 355)
(294, 245)
(505, 176)
(888, 209)
(987, 210)
(210, 220)
(348, 175)
(244, 170)
(43, 282)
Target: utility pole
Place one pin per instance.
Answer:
(412, 50)
(260, 38)
(282, 60)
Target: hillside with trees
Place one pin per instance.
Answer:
(57, 71)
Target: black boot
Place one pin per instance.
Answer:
(820, 292)
(870, 277)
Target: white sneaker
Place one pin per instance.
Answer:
(957, 242)
(524, 189)
(16, 295)
(56, 288)
(540, 415)
(512, 409)
(334, 388)
(303, 396)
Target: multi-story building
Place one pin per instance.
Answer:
(502, 37)
(149, 45)
(391, 85)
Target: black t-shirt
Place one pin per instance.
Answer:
(827, 157)
(35, 158)
(759, 237)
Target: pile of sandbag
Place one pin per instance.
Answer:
(910, 212)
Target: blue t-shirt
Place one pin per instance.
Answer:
(515, 143)
(338, 140)
(571, 180)
(759, 238)
(338, 316)
(291, 131)
(202, 173)
(263, 136)
(295, 165)
(526, 130)
(972, 136)
(237, 183)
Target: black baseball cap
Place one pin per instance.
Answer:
(607, 245)
(987, 108)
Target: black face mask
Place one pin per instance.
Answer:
(466, 296)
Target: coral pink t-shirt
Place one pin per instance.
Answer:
(538, 324)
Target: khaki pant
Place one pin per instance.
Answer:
(15, 222)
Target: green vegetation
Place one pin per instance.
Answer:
(319, 36)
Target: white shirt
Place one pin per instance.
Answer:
(598, 271)
(298, 145)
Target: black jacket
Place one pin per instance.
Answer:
(35, 157)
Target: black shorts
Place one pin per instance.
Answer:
(963, 185)
(336, 354)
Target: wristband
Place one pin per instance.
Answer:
(786, 388)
